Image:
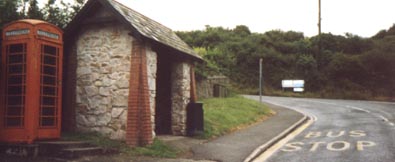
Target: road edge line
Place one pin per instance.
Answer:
(276, 139)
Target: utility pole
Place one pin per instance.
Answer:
(319, 26)
(319, 17)
(260, 80)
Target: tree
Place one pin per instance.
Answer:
(9, 12)
(61, 14)
(242, 30)
(306, 66)
(383, 33)
(55, 12)
(34, 11)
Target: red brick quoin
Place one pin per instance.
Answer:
(139, 129)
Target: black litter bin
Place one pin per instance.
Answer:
(195, 118)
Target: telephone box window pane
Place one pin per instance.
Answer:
(14, 122)
(17, 79)
(49, 90)
(15, 90)
(49, 60)
(50, 50)
(49, 70)
(17, 48)
(50, 101)
(48, 111)
(14, 111)
(46, 121)
(15, 100)
(15, 59)
(15, 69)
(49, 80)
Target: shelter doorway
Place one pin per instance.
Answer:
(163, 96)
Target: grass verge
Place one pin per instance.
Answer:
(224, 115)
(157, 149)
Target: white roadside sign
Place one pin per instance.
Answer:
(292, 83)
(298, 89)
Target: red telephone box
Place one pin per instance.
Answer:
(30, 84)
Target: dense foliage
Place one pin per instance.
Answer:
(330, 64)
(54, 11)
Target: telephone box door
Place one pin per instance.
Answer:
(30, 102)
(50, 90)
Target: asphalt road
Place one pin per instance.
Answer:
(343, 131)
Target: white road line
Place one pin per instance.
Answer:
(348, 106)
(357, 108)
(288, 107)
(384, 118)
(313, 117)
(360, 109)
(271, 150)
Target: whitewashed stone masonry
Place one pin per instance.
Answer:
(181, 86)
(103, 73)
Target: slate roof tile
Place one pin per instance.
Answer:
(152, 29)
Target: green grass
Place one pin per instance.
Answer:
(93, 138)
(224, 115)
(157, 149)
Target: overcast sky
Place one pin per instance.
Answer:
(361, 17)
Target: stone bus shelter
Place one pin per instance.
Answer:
(125, 75)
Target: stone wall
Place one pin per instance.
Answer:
(181, 85)
(152, 63)
(205, 87)
(103, 73)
